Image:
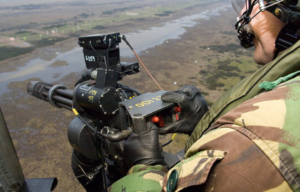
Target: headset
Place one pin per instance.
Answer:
(288, 11)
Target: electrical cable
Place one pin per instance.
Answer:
(101, 146)
(129, 88)
(167, 143)
(98, 53)
(113, 137)
(124, 94)
(84, 121)
(124, 38)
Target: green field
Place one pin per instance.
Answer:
(230, 65)
(8, 52)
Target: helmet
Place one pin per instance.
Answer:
(287, 11)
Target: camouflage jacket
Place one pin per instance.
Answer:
(286, 63)
(254, 147)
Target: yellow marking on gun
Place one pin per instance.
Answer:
(158, 98)
(91, 99)
(148, 102)
(93, 92)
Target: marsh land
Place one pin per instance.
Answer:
(204, 52)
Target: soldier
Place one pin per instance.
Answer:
(249, 140)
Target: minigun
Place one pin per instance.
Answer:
(107, 112)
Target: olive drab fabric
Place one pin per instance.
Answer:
(271, 121)
(192, 171)
(140, 178)
(284, 64)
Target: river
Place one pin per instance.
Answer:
(141, 40)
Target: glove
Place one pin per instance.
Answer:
(193, 107)
(143, 148)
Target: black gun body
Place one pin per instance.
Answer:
(106, 111)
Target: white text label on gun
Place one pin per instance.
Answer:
(90, 58)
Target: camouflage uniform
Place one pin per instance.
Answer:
(252, 147)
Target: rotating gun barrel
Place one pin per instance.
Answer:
(57, 95)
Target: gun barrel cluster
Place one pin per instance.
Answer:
(59, 96)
